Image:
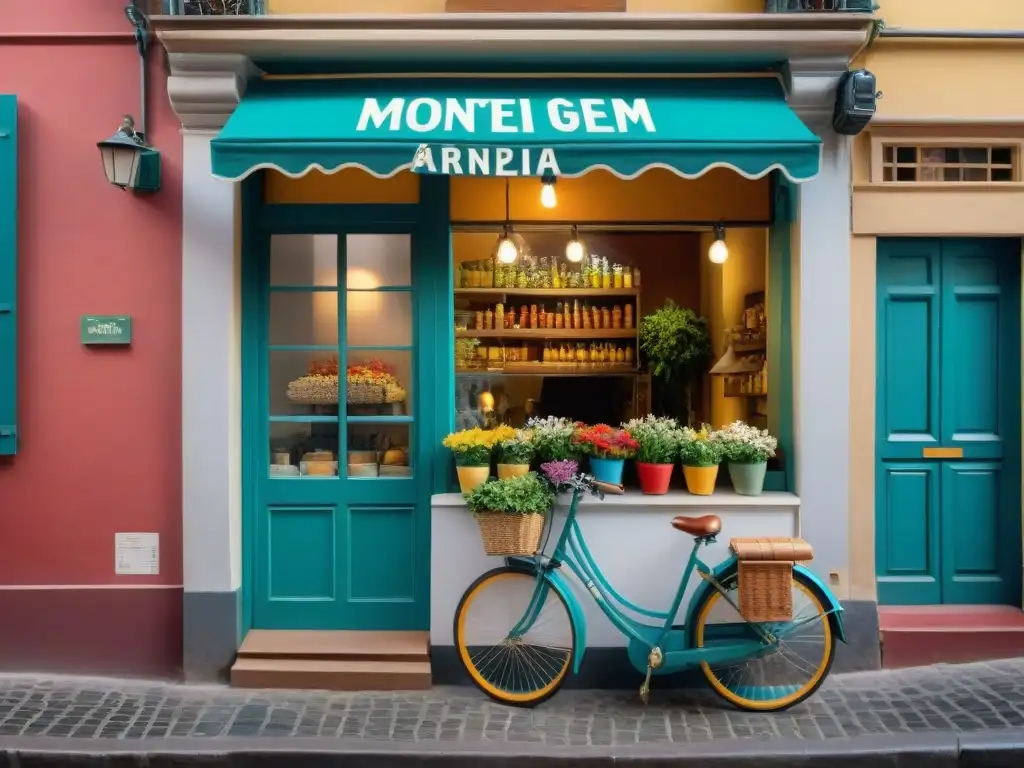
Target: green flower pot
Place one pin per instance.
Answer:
(748, 479)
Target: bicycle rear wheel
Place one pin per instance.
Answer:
(521, 669)
(784, 674)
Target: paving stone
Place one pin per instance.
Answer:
(964, 698)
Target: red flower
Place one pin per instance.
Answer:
(605, 442)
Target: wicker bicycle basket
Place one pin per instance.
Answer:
(766, 576)
(509, 534)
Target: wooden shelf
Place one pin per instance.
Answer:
(541, 334)
(550, 369)
(569, 293)
(756, 346)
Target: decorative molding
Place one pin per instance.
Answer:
(205, 88)
(659, 37)
(812, 89)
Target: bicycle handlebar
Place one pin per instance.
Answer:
(609, 487)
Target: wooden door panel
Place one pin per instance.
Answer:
(974, 552)
(909, 274)
(974, 311)
(907, 533)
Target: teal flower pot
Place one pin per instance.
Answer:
(607, 470)
(748, 479)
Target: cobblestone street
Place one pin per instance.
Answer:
(944, 698)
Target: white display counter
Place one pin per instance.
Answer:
(630, 536)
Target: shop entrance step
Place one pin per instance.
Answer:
(333, 660)
(916, 635)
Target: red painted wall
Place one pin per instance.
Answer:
(100, 429)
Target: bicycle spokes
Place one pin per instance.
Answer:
(516, 642)
(788, 667)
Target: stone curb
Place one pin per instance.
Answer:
(987, 749)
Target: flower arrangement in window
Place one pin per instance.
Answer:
(370, 383)
(319, 386)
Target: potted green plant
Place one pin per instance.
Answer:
(746, 450)
(677, 348)
(658, 448)
(510, 513)
(552, 438)
(472, 449)
(608, 449)
(514, 455)
(700, 457)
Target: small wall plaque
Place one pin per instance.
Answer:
(105, 329)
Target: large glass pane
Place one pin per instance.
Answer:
(378, 261)
(379, 383)
(379, 319)
(303, 449)
(303, 383)
(309, 318)
(379, 450)
(304, 260)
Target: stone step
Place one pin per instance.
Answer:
(336, 645)
(916, 635)
(331, 675)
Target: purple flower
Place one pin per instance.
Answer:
(560, 472)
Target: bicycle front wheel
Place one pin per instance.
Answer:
(782, 675)
(514, 661)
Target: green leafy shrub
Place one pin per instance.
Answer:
(523, 495)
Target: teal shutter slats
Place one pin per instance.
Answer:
(8, 275)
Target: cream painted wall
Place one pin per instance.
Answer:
(937, 89)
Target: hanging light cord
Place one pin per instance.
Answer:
(138, 20)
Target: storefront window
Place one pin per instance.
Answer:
(546, 335)
(337, 403)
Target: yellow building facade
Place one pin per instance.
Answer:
(937, 199)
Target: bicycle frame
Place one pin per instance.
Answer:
(571, 549)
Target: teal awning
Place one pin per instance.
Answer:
(517, 127)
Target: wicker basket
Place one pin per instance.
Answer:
(510, 534)
(766, 576)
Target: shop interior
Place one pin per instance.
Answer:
(552, 286)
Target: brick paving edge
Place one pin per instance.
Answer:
(982, 749)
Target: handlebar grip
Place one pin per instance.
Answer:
(609, 487)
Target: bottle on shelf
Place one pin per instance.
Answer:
(627, 317)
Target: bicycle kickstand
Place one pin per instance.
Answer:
(654, 660)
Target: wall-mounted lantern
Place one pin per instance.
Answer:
(128, 161)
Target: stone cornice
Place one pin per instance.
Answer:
(204, 89)
(358, 37)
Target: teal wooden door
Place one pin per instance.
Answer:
(948, 474)
(342, 498)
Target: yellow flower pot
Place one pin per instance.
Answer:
(471, 477)
(700, 481)
(512, 470)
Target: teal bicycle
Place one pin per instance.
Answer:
(520, 629)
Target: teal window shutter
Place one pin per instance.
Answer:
(8, 275)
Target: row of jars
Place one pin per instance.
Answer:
(593, 353)
(580, 317)
(546, 274)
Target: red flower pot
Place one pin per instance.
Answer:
(654, 478)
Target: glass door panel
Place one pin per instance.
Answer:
(302, 356)
(379, 359)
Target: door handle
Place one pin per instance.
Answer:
(947, 452)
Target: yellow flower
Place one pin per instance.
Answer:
(501, 434)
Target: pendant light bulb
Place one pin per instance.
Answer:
(718, 253)
(574, 250)
(548, 198)
(507, 251)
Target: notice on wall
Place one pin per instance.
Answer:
(137, 554)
